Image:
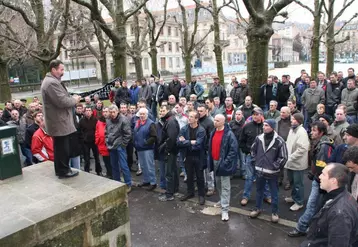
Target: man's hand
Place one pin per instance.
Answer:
(181, 138)
(77, 98)
(193, 142)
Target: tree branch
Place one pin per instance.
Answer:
(224, 4)
(276, 8)
(205, 36)
(128, 13)
(345, 23)
(252, 12)
(304, 6)
(198, 3)
(342, 41)
(21, 12)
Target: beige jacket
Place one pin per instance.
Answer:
(298, 145)
(57, 106)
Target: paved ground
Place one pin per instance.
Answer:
(175, 223)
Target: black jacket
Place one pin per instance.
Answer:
(218, 91)
(122, 96)
(6, 116)
(174, 88)
(87, 127)
(267, 93)
(336, 224)
(162, 93)
(345, 80)
(30, 131)
(236, 128)
(333, 94)
(2, 123)
(249, 134)
(170, 132)
(208, 125)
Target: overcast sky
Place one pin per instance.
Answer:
(296, 12)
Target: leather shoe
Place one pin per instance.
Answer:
(201, 200)
(186, 197)
(69, 174)
(295, 233)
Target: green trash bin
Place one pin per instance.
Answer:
(10, 164)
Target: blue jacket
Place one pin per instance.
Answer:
(268, 162)
(199, 146)
(228, 153)
(337, 155)
(134, 93)
(198, 89)
(141, 136)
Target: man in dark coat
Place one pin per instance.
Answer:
(168, 146)
(174, 87)
(336, 223)
(222, 161)
(192, 142)
(123, 95)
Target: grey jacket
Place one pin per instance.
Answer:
(145, 93)
(312, 97)
(340, 127)
(349, 97)
(118, 132)
(57, 107)
(20, 129)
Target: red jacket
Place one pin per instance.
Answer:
(100, 138)
(42, 146)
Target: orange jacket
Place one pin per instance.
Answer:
(100, 138)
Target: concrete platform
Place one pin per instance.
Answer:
(38, 209)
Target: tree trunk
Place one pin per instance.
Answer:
(258, 37)
(217, 43)
(119, 60)
(315, 41)
(154, 57)
(187, 61)
(44, 68)
(5, 92)
(138, 67)
(330, 44)
(104, 72)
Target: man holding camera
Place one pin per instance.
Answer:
(321, 155)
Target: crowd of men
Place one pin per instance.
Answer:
(311, 122)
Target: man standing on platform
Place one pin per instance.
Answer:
(58, 113)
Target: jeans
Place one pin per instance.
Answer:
(308, 120)
(26, 152)
(146, 159)
(107, 164)
(223, 187)
(119, 163)
(261, 184)
(171, 174)
(163, 182)
(154, 108)
(209, 179)
(181, 162)
(311, 208)
(296, 182)
(75, 162)
(193, 167)
(250, 177)
(87, 147)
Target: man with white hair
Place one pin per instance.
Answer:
(272, 113)
(145, 135)
(222, 161)
(19, 107)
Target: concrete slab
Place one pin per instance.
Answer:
(37, 201)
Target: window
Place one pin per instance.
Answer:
(176, 32)
(146, 63)
(178, 47)
(177, 62)
(162, 46)
(170, 47)
(169, 31)
(170, 62)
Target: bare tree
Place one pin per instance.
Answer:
(189, 42)
(328, 30)
(139, 44)
(48, 27)
(115, 32)
(84, 29)
(259, 31)
(155, 28)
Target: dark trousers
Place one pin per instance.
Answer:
(171, 174)
(297, 185)
(260, 189)
(193, 167)
(61, 149)
(107, 164)
(87, 147)
(154, 108)
(129, 149)
(330, 110)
